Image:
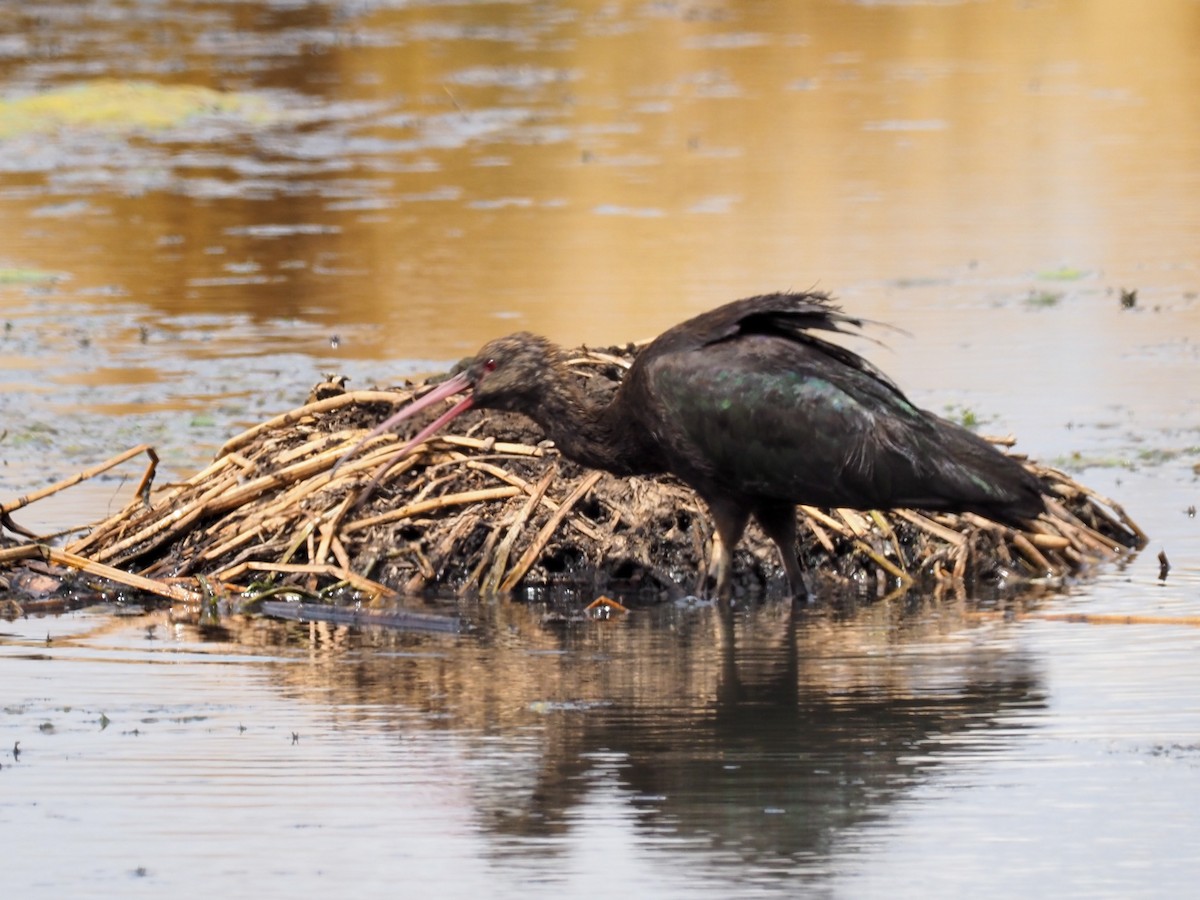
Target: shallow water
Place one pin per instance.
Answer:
(933, 749)
(400, 181)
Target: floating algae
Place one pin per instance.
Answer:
(110, 105)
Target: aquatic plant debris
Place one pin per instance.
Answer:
(19, 276)
(112, 105)
(493, 509)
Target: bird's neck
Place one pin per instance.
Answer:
(589, 432)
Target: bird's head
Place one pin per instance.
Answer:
(508, 373)
(511, 372)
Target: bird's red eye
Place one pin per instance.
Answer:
(489, 366)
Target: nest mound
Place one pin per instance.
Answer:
(490, 509)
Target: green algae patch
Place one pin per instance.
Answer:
(1063, 273)
(126, 106)
(28, 276)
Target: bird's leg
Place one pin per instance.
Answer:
(731, 520)
(779, 522)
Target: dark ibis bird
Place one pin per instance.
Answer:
(755, 411)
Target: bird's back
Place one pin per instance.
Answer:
(745, 402)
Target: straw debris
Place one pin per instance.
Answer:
(492, 509)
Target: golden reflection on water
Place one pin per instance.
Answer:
(596, 171)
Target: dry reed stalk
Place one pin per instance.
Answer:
(1046, 541)
(340, 554)
(203, 477)
(485, 556)
(141, 493)
(21, 552)
(432, 485)
(598, 357)
(169, 517)
(329, 528)
(464, 523)
(881, 522)
(137, 582)
(229, 500)
(941, 532)
(415, 509)
(167, 501)
(281, 506)
(302, 537)
(42, 493)
(238, 460)
(285, 420)
(314, 447)
(1002, 440)
(959, 572)
(828, 521)
(1026, 549)
(549, 502)
(155, 534)
(534, 549)
(491, 445)
(884, 563)
(1099, 502)
(819, 532)
(854, 521)
(500, 559)
(1082, 532)
(216, 551)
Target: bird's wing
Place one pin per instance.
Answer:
(791, 316)
(748, 404)
(785, 310)
(763, 415)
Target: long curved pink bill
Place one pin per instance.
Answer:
(436, 425)
(460, 407)
(448, 388)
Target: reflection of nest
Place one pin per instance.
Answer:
(490, 509)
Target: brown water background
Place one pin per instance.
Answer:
(407, 179)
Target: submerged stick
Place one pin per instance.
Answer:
(398, 619)
(1116, 619)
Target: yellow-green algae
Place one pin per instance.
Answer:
(27, 276)
(123, 106)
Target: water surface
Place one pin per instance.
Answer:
(894, 750)
(376, 188)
